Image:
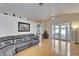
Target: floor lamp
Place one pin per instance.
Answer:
(76, 28)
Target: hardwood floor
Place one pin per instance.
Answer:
(44, 50)
(74, 49)
(51, 48)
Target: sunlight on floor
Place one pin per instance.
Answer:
(61, 47)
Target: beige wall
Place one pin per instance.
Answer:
(48, 26)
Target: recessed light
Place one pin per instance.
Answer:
(41, 4)
(6, 13)
(13, 14)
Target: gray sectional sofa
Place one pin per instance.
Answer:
(12, 44)
(7, 47)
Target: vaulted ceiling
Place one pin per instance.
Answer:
(36, 12)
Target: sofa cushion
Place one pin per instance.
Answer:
(8, 42)
(18, 45)
(6, 38)
(2, 52)
(10, 50)
(27, 38)
(19, 40)
(31, 35)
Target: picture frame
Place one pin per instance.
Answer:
(23, 27)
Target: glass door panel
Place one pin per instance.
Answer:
(68, 32)
(56, 32)
(63, 32)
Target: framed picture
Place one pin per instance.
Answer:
(23, 27)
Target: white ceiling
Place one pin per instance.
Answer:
(28, 10)
(34, 11)
(66, 8)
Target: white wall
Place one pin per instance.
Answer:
(9, 25)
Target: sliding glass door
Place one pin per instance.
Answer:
(61, 31)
